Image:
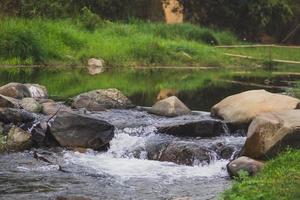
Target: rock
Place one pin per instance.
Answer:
(51, 108)
(270, 133)
(76, 130)
(201, 128)
(252, 167)
(12, 115)
(186, 153)
(170, 107)
(9, 102)
(95, 66)
(99, 100)
(15, 90)
(244, 107)
(31, 105)
(165, 93)
(18, 139)
(37, 91)
(72, 198)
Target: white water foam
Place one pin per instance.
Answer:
(119, 161)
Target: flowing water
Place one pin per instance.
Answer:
(126, 170)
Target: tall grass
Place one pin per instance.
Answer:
(40, 41)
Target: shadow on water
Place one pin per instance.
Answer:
(199, 89)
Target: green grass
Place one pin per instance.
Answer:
(280, 180)
(267, 53)
(41, 41)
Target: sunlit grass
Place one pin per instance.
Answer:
(37, 41)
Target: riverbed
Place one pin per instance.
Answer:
(125, 170)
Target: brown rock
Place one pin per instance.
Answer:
(51, 108)
(18, 139)
(15, 90)
(8, 102)
(270, 133)
(244, 107)
(252, 167)
(165, 93)
(170, 107)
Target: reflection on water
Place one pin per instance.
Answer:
(199, 89)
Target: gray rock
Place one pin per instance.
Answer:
(201, 128)
(186, 153)
(244, 164)
(99, 100)
(76, 130)
(12, 115)
(170, 107)
(31, 105)
(37, 91)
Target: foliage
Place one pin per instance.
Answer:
(249, 18)
(280, 180)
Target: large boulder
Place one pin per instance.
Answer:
(244, 164)
(200, 128)
(15, 90)
(76, 130)
(270, 133)
(9, 102)
(95, 66)
(244, 107)
(170, 107)
(186, 153)
(31, 105)
(98, 100)
(37, 91)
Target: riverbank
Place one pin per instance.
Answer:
(73, 42)
(280, 179)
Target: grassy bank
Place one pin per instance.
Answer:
(280, 180)
(38, 41)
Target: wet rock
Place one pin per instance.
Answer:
(15, 116)
(270, 133)
(41, 136)
(9, 102)
(170, 107)
(77, 130)
(18, 139)
(244, 107)
(51, 108)
(201, 128)
(99, 100)
(15, 90)
(95, 66)
(155, 147)
(244, 164)
(31, 105)
(186, 153)
(166, 93)
(37, 91)
(72, 198)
